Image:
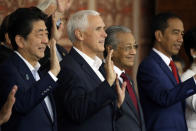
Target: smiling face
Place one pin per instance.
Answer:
(94, 36)
(170, 41)
(124, 54)
(32, 48)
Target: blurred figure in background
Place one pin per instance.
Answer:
(5, 46)
(190, 49)
(179, 64)
(55, 26)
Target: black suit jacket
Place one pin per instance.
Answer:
(84, 103)
(129, 118)
(29, 112)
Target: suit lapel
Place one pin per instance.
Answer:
(163, 66)
(129, 102)
(61, 50)
(23, 69)
(27, 76)
(84, 65)
(46, 109)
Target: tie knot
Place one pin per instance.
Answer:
(123, 76)
(171, 64)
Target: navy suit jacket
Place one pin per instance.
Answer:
(129, 118)
(29, 112)
(84, 103)
(4, 53)
(161, 97)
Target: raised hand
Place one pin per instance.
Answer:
(56, 33)
(55, 66)
(120, 92)
(109, 68)
(6, 110)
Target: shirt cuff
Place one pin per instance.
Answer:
(53, 76)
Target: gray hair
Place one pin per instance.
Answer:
(111, 35)
(79, 20)
(44, 4)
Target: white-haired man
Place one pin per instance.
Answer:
(86, 97)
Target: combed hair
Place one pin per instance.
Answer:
(79, 20)
(21, 22)
(4, 28)
(111, 36)
(160, 22)
(45, 4)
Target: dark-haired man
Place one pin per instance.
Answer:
(162, 93)
(34, 108)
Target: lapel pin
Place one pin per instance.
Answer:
(27, 76)
(64, 54)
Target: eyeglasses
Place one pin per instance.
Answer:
(129, 47)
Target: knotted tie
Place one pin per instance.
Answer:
(174, 70)
(130, 90)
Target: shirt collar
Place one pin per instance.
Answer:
(118, 71)
(37, 66)
(163, 56)
(96, 62)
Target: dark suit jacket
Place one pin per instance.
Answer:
(129, 118)
(84, 103)
(45, 61)
(161, 97)
(29, 112)
(4, 53)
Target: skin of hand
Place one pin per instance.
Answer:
(55, 66)
(120, 92)
(6, 110)
(56, 33)
(63, 5)
(109, 68)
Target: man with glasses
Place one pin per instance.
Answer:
(122, 41)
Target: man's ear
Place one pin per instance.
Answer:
(79, 34)
(8, 41)
(19, 41)
(158, 35)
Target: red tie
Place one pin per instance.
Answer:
(174, 70)
(130, 90)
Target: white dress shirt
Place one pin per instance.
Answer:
(34, 71)
(119, 72)
(163, 57)
(93, 63)
(190, 101)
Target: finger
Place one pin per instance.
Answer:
(109, 56)
(123, 88)
(118, 89)
(11, 98)
(13, 91)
